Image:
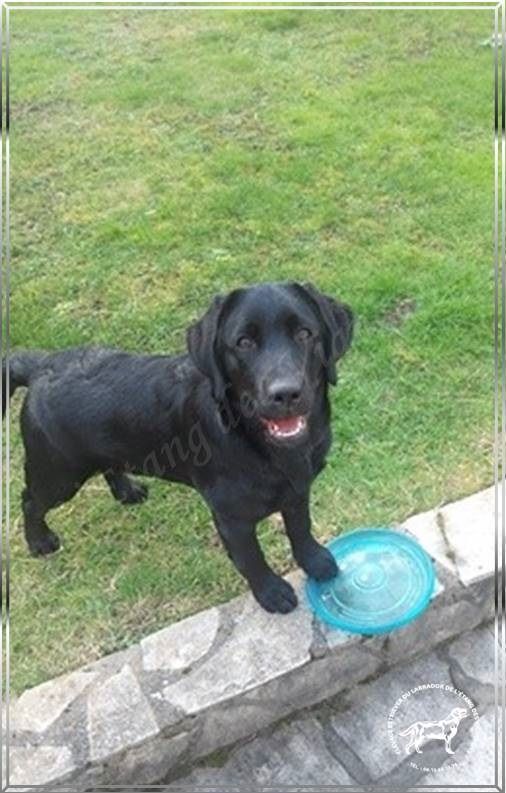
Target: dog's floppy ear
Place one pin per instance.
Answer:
(201, 340)
(337, 320)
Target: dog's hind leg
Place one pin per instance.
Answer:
(448, 741)
(50, 480)
(39, 496)
(125, 489)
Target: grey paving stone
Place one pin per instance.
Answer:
(180, 645)
(460, 535)
(38, 765)
(295, 754)
(362, 723)
(261, 647)
(299, 756)
(38, 708)
(118, 715)
(474, 653)
(474, 759)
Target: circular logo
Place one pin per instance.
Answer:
(424, 724)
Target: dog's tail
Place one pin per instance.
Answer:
(22, 366)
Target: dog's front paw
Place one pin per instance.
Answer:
(318, 563)
(47, 543)
(276, 595)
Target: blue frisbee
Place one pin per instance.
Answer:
(385, 580)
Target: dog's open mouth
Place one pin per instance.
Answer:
(281, 429)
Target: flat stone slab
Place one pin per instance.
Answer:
(295, 754)
(180, 645)
(461, 535)
(38, 708)
(40, 763)
(203, 684)
(364, 729)
(119, 715)
(471, 655)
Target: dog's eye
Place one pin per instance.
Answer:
(304, 334)
(245, 343)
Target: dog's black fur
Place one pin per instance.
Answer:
(259, 355)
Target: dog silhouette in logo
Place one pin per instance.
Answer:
(421, 732)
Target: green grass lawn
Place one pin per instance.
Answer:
(160, 157)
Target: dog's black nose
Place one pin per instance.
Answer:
(284, 393)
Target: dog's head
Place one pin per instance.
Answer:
(270, 348)
(459, 713)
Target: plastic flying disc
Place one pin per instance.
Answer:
(385, 580)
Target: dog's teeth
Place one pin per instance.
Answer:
(275, 430)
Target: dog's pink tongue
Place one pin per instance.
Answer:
(287, 425)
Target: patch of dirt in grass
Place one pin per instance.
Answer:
(400, 311)
(35, 108)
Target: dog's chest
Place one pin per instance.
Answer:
(250, 497)
(254, 486)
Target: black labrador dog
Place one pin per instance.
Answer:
(243, 418)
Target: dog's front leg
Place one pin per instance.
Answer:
(314, 559)
(239, 538)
